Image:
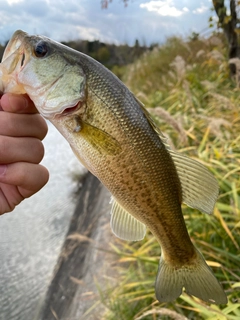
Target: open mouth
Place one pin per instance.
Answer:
(23, 59)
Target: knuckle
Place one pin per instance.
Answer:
(40, 126)
(37, 151)
(43, 128)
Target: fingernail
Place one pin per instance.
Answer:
(3, 169)
(17, 102)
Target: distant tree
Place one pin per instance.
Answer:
(105, 3)
(103, 54)
(194, 36)
(228, 20)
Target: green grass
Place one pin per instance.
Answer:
(197, 106)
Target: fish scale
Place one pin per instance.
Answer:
(113, 135)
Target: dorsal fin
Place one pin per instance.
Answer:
(152, 123)
(199, 187)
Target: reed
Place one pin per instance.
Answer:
(189, 93)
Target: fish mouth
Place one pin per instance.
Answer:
(21, 72)
(14, 60)
(14, 51)
(12, 47)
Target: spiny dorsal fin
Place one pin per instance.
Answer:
(152, 123)
(124, 225)
(199, 187)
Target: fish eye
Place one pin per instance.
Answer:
(41, 49)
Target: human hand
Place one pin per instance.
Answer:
(21, 150)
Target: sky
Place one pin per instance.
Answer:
(148, 21)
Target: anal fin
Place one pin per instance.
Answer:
(124, 225)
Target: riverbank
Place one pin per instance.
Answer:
(85, 259)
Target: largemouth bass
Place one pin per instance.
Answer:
(114, 137)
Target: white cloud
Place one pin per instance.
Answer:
(80, 32)
(11, 2)
(201, 9)
(164, 8)
(85, 20)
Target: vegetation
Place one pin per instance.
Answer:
(230, 25)
(112, 56)
(227, 12)
(186, 87)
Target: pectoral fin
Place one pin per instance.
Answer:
(199, 187)
(124, 225)
(98, 139)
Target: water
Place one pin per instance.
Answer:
(32, 235)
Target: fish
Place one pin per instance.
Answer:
(115, 138)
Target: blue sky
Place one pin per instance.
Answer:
(145, 20)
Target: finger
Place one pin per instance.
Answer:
(22, 125)
(19, 103)
(28, 177)
(20, 149)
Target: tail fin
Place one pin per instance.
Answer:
(198, 280)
